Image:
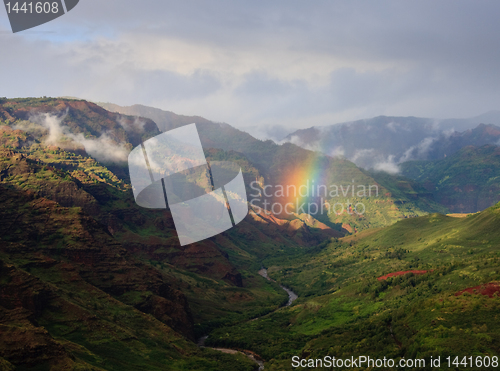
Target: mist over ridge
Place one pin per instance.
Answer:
(382, 143)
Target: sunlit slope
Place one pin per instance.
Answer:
(345, 307)
(467, 181)
(425, 243)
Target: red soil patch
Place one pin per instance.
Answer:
(487, 289)
(400, 273)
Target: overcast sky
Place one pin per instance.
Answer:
(265, 64)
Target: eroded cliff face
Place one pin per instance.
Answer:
(52, 318)
(45, 181)
(65, 280)
(23, 341)
(116, 211)
(82, 248)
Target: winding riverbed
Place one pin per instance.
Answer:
(291, 295)
(291, 298)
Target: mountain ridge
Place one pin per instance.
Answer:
(383, 142)
(278, 163)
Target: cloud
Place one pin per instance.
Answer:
(137, 126)
(369, 158)
(338, 152)
(311, 146)
(423, 148)
(392, 126)
(263, 63)
(53, 124)
(103, 149)
(277, 133)
(362, 154)
(419, 151)
(388, 166)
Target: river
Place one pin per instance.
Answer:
(291, 298)
(291, 295)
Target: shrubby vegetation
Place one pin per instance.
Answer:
(343, 310)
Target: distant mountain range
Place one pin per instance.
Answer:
(381, 143)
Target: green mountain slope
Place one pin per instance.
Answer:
(464, 182)
(347, 308)
(391, 199)
(73, 298)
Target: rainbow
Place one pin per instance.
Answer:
(307, 181)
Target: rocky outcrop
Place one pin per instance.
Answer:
(302, 229)
(15, 138)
